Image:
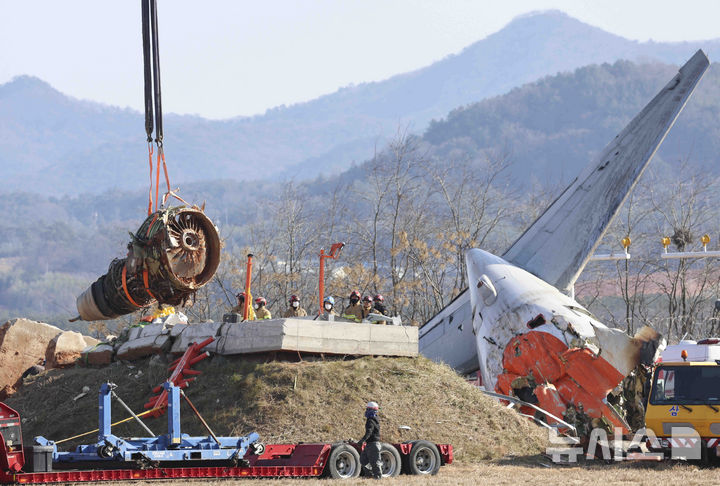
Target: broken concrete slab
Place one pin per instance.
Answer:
(143, 347)
(195, 333)
(177, 329)
(155, 329)
(97, 355)
(64, 349)
(144, 330)
(90, 341)
(318, 337)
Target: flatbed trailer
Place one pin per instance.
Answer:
(340, 461)
(39, 463)
(175, 455)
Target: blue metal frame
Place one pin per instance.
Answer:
(173, 446)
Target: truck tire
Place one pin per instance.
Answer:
(424, 459)
(391, 461)
(343, 462)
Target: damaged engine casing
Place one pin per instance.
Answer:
(173, 253)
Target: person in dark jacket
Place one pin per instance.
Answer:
(370, 457)
(379, 305)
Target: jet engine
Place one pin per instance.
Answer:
(173, 253)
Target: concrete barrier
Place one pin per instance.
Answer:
(195, 333)
(318, 337)
(267, 336)
(143, 347)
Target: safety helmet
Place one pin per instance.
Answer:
(261, 301)
(372, 405)
(367, 298)
(379, 298)
(241, 295)
(355, 294)
(294, 298)
(329, 299)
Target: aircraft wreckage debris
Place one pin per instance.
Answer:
(173, 253)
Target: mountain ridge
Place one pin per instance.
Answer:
(65, 146)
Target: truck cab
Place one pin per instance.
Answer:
(685, 392)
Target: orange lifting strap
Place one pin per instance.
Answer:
(124, 284)
(156, 182)
(147, 285)
(150, 158)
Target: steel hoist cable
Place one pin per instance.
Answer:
(153, 101)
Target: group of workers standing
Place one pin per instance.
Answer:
(257, 312)
(357, 310)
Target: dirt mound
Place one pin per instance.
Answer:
(291, 402)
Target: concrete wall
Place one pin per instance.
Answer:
(274, 335)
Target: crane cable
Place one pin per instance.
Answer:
(153, 101)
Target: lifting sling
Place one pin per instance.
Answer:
(153, 100)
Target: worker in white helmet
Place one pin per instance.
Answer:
(370, 457)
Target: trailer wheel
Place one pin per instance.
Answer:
(391, 462)
(343, 462)
(424, 458)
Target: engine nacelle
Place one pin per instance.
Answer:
(173, 253)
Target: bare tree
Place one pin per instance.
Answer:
(684, 208)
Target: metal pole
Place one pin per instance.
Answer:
(207, 427)
(248, 278)
(322, 280)
(132, 413)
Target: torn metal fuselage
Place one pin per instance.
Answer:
(173, 253)
(533, 341)
(563, 356)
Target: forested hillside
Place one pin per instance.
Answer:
(556, 125)
(408, 214)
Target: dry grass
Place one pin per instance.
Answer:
(292, 402)
(324, 401)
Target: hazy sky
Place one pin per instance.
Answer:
(223, 58)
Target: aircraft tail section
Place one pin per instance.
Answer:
(559, 243)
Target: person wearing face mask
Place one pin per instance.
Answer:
(260, 310)
(329, 306)
(295, 310)
(354, 310)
